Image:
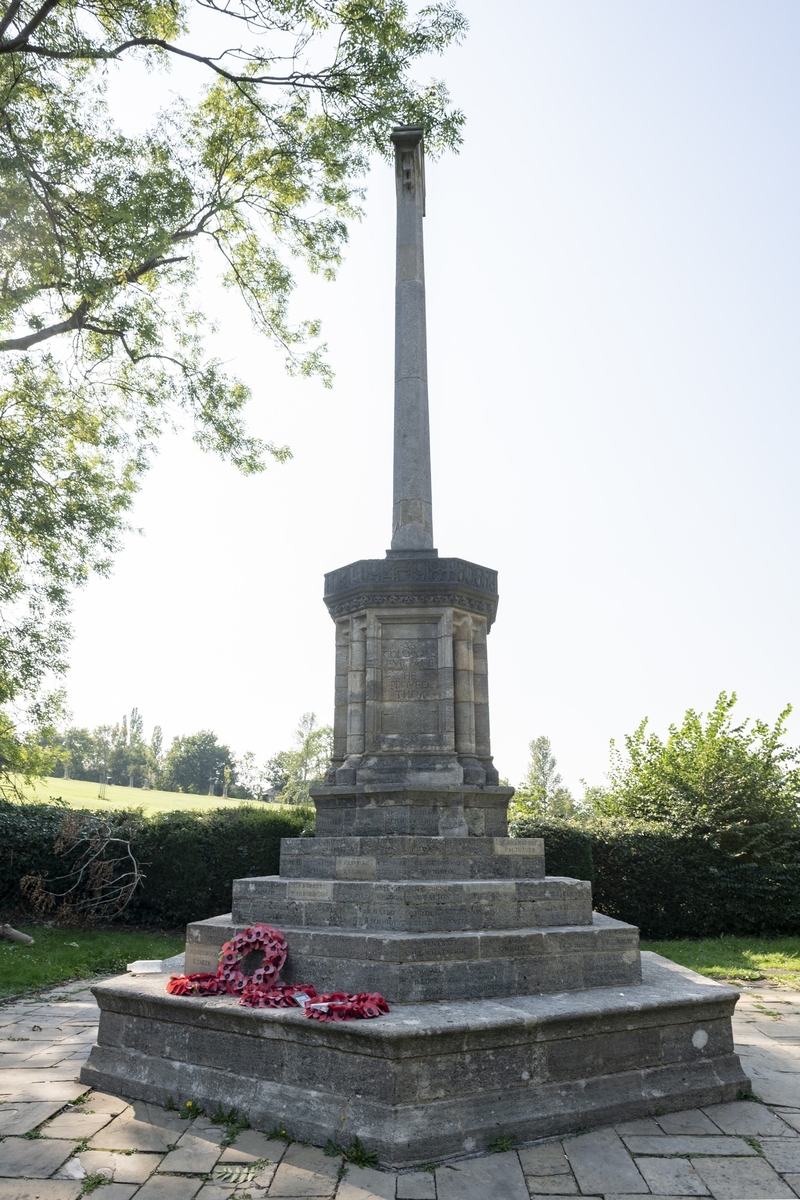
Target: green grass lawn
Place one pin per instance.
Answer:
(61, 955)
(736, 957)
(79, 794)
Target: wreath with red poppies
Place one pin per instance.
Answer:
(260, 988)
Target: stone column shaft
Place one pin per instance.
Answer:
(412, 520)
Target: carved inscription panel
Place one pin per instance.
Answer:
(410, 662)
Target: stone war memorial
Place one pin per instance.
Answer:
(515, 1011)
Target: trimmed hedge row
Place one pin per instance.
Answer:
(672, 887)
(189, 859)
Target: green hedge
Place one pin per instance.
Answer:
(189, 859)
(671, 887)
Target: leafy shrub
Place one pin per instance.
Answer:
(189, 859)
(672, 885)
(567, 849)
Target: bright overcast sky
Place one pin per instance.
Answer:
(613, 293)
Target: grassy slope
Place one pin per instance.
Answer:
(80, 794)
(60, 955)
(735, 957)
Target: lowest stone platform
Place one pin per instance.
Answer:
(429, 1080)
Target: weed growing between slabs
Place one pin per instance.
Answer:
(62, 955)
(736, 957)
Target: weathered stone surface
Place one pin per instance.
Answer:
(409, 968)
(551, 1185)
(782, 1152)
(671, 1176)
(740, 1179)
(690, 1121)
(251, 1145)
(305, 1171)
(601, 1164)
(747, 1119)
(430, 1081)
(420, 1185)
(142, 1127)
(688, 1145)
(18, 1119)
(549, 1159)
(169, 1187)
(121, 1168)
(364, 1183)
(39, 1189)
(77, 1125)
(194, 1155)
(413, 906)
(479, 1178)
(23, 1158)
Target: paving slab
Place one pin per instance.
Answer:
(193, 1155)
(601, 1163)
(119, 1191)
(671, 1176)
(55, 1092)
(169, 1187)
(794, 1182)
(140, 1127)
(782, 1153)
(32, 1158)
(689, 1145)
(250, 1145)
(419, 1185)
(557, 1185)
(643, 1125)
(690, 1120)
(548, 1159)
(791, 1118)
(102, 1102)
(120, 1168)
(79, 1125)
(304, 1171)
(746, 1118)
(364, 1183)
(729, 1179)
(39, 1189)
(482, 1179)
(22, 1118)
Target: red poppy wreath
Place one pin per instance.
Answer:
(261, 989)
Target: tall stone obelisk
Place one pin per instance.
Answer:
(412, 521)
(411, 722)
(515, 1011)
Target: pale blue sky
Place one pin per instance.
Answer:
(613, 296)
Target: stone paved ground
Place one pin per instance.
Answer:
(57, 1144)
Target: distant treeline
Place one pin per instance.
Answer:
(198, 763)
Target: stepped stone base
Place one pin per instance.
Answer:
(432, 1081)
(432, 810)
(414, 968)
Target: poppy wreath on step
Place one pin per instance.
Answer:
(196, 985)
(338, 1006)
(261, 939)
(279, 995)
(261, 989)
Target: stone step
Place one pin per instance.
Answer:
(428, 1081)
(413, 905)
(409, 968)
(399, 858)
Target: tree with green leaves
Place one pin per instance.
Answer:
(734, 783)
(196, 764)
(541, 793)
(103, 236)
(291, 773)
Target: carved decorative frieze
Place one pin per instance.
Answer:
(378, 582)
